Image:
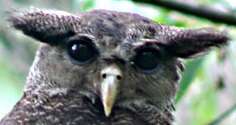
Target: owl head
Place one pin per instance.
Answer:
(117, 57)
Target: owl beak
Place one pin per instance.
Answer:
(111, 77)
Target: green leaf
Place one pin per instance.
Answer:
(11, 86)
(188, 76)
(204, 106)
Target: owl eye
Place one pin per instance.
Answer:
(82, 50)
(146, 60)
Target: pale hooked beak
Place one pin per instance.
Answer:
(111, 77)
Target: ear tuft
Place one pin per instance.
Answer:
(187, 43)
(47, 26)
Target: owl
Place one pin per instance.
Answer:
(103, 67)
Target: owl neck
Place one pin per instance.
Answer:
(38, 80)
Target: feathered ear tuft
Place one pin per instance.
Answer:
(187, 43)
(47, 26)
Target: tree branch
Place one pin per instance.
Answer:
(218, 120)
(199, 11)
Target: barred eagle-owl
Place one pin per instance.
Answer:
(103, 68)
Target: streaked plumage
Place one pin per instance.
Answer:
(103, 68)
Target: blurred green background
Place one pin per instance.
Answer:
(208, 86)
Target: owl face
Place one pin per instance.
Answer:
(116, 57)
(111, 64)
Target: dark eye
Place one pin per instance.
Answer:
(82, 50)
(146, 60)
